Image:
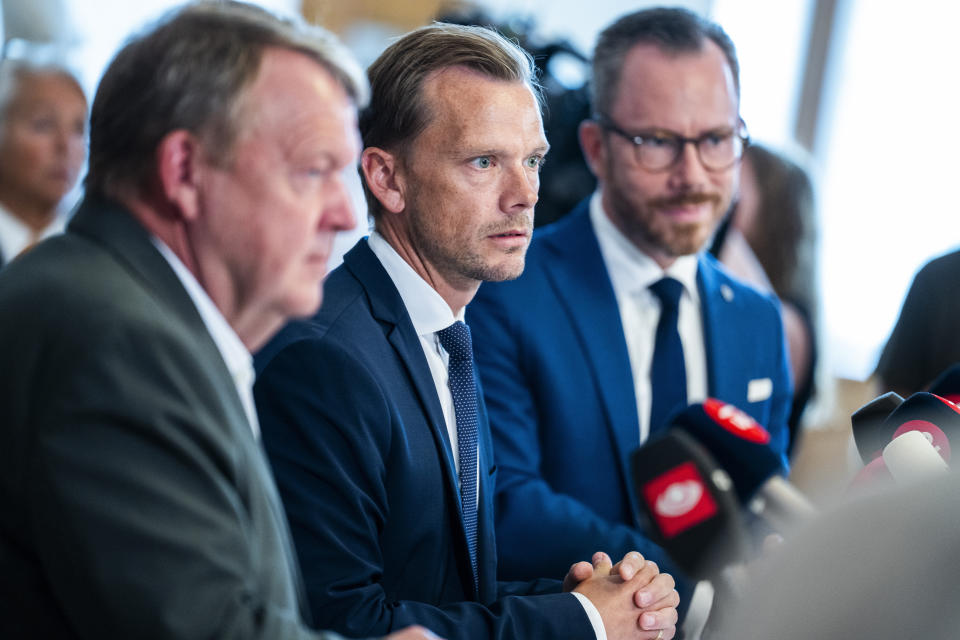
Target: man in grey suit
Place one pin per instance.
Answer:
(136, 501)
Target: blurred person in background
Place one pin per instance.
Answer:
(43, 115)
(923, 343)
(620, 317)
(770, 241)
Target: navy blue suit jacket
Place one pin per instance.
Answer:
(559, 388)
(353, 427)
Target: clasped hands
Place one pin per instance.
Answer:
(634, 599)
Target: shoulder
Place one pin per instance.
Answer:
(940, 269)
(717, 280)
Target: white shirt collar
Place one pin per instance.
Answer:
(15, 235)
(630, 269)
(235, 355)
(428, 311)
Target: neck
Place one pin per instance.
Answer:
(253, 328)
(457, 292)
(36, 215)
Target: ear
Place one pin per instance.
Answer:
(384, 177)
(178, 167)
(594, 149)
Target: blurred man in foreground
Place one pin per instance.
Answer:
(137, 502)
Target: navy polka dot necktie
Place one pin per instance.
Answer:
(457, 343)
(668, 374)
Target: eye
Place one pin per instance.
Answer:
(535, 162)
(41, 125)
(716, 139)
(483, 162)
(657, 141)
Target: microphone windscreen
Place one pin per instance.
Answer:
(688, 504)
(930, 414)
(735, 440)
(947, 384)
(868, 434)
(911, 457)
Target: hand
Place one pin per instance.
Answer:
(619, 600)
(626, 568)
(413, 633)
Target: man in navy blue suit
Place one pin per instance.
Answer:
(371, 411)
(569, 359)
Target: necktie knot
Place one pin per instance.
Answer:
(456, 341)
(668, 290)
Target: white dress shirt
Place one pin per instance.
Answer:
(15, 236)
(631, 273)
(430, 313)
(235, 356)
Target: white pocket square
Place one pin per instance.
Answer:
(759, 389)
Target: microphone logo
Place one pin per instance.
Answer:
(679, 499)
(735, 421)
(931, 432)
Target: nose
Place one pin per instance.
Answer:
(688, 171)
(520, 190)
(338, 214)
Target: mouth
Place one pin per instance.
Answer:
(511, 239)
(688, 208)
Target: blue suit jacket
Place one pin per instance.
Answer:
(559, 388)
(353, 427)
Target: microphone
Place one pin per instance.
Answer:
(937, 418)
(688, 504)
(947, 384)
(911, 457)
(741, 447)
(866, 421)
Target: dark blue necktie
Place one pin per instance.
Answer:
(668, 374)
(456, 341)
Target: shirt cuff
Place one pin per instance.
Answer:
(592, 614)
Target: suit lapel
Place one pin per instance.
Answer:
(387, 307)
(579, 276)
(716, 314)
(109, 225)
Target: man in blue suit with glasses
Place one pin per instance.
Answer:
(620, 317)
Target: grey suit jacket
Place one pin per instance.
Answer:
(136, 501)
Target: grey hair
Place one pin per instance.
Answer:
(13, 72)
(190, 71)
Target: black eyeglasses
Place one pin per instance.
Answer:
(657, 150)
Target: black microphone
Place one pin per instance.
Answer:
(947, 384)
(689, 504)
(937, 418)
(866, 421)
(741, 447)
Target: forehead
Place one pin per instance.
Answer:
(465, 106)
(687, 91)
(49, 88)
(293, 100)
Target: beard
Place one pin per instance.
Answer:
(645, 224)
(456, 250)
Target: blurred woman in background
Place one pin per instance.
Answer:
(43, 117)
